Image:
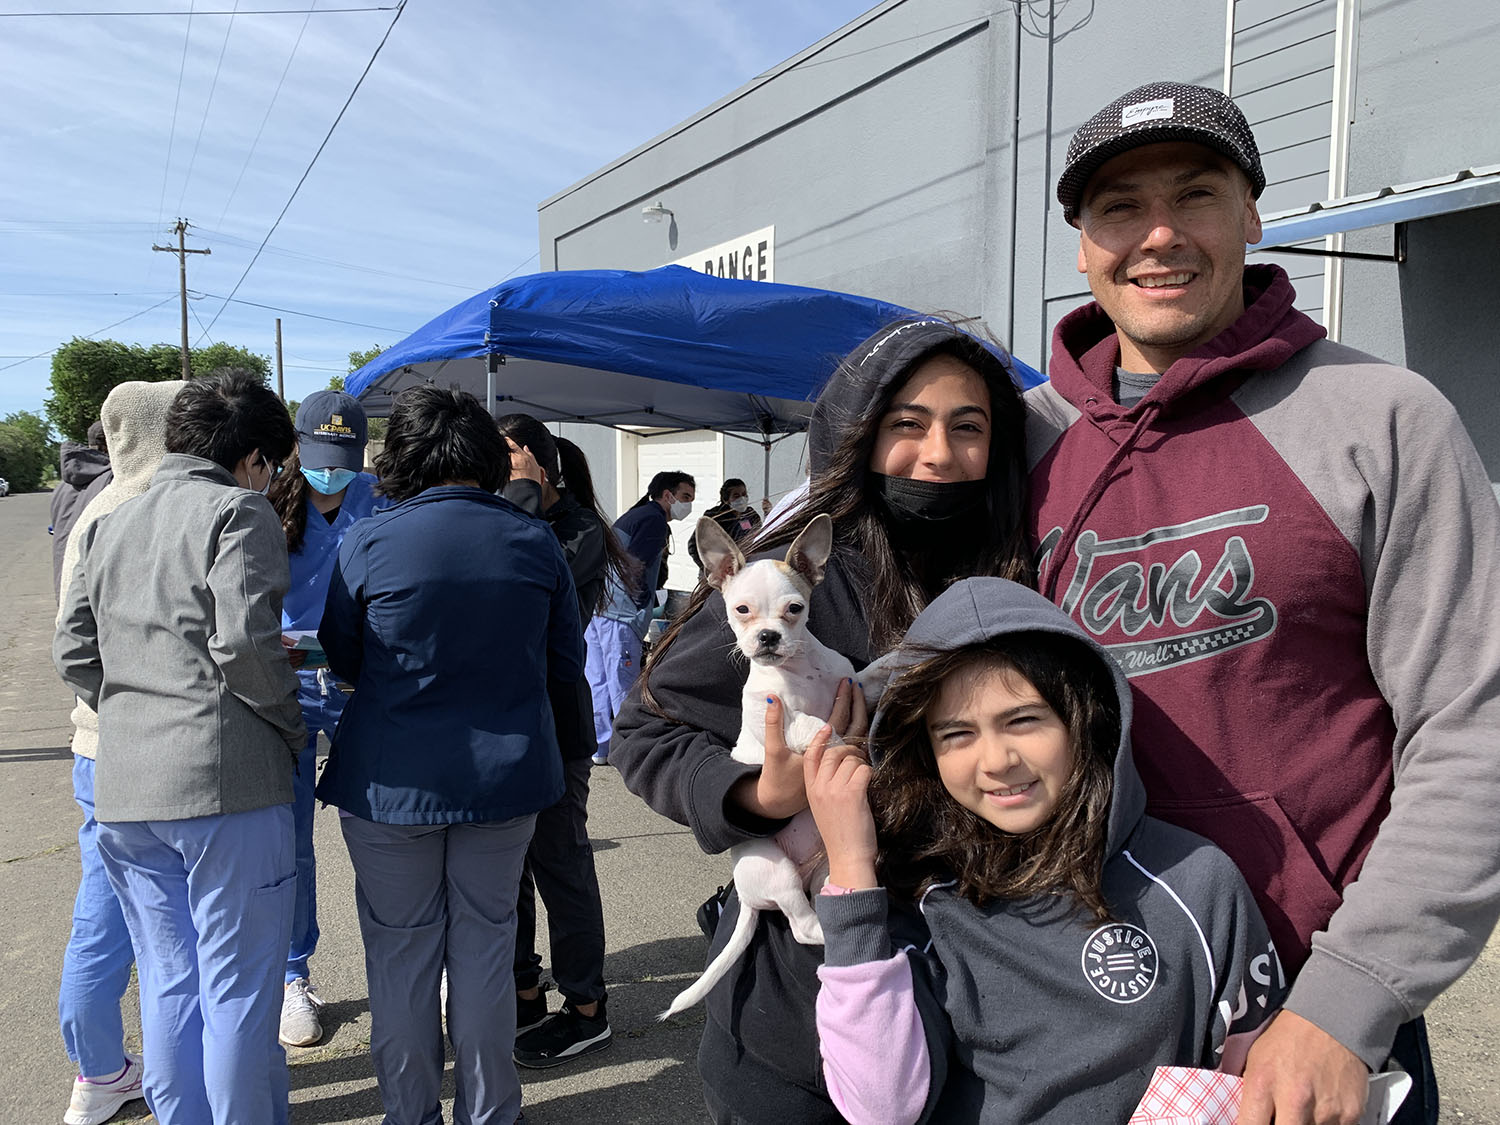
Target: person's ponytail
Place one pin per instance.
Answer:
(578, 482)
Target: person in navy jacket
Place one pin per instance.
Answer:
(447, 612)
(320, 494)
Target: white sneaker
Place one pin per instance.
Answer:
(95, 1101)
(300, 1026)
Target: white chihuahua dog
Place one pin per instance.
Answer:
(766, 603)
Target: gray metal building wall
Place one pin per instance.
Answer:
(912, 155)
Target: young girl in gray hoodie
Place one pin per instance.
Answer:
(1009, 937)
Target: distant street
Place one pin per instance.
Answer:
(651, 872)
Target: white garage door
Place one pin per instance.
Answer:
(700, 454)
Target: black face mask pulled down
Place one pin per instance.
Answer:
(928, 506)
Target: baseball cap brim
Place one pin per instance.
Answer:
(317, 454)
(1072, 184)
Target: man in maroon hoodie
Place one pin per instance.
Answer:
(1294, 550)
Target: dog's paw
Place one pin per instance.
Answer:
(802, 730)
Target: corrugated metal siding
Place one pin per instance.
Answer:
(1282, 77)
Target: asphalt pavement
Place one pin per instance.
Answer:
(650, 871)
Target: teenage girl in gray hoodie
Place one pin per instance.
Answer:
(1044, 945)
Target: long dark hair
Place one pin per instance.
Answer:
(438, 435)
(897, 584)
(926, 837)
(288, 495)
(568, 470)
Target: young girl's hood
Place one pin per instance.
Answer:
(979, 609)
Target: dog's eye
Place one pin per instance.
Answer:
(794, 609)
(742, 610)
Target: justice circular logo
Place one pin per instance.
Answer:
(1120, 961)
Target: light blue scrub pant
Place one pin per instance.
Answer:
(430, 897)
(612, 663)
(96, 964)
(321, 708)
(208, 902)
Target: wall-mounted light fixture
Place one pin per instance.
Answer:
(655, 212)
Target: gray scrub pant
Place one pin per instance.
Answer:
(430, 896)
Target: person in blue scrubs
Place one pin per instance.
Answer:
(322, 493)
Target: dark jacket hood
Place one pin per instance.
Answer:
(855, 388)
(1085, 350)
(81, 464)
(979, 609)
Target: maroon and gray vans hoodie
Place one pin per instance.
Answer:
(1032, 1010)
(1294, 551)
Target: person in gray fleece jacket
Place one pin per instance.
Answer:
(1024, 944)
(172, 632)
(98, 959)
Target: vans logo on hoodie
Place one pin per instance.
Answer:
(1120, 961)
(1157, 589)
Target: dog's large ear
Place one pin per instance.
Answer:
(809, 552)
(722, 560)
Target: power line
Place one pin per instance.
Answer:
(298, 312)
(308, 171)
(274, 95)
(161, 206)
(220, 235)
(208, 105)
(94, 333)
(256, 12)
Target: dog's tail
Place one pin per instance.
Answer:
(734, 948)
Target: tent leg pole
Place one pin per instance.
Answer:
(766, 493)
(489, 388)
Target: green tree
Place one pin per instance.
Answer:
(26, 450)
(358, 360)
(85, 371)
(207, 360)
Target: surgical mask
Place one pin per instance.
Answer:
(740, 503)
(926, 501)
(329, 481)
(271, 474)
(681, 508)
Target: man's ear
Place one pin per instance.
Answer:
(1083, 262)
(1253, 230)
(722, 559)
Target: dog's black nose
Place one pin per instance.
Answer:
(769, 638)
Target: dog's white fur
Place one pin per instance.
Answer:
(767, 604)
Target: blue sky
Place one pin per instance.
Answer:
(474, 112)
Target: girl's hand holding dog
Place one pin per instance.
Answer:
(837, 778)
(778, 791)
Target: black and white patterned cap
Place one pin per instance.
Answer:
(1151, 114)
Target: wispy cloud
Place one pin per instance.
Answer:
(475, 111)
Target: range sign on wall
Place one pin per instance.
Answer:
(751, 257)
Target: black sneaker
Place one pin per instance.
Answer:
(565, 1035)
(530, 1013)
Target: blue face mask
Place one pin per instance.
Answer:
(329, 481)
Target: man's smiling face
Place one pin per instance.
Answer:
(1162, 239)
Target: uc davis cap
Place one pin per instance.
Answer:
(331, 431)
(1151, 114)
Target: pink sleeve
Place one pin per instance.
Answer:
(874, 1050)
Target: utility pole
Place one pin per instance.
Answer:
(182, 252)
(280, 383)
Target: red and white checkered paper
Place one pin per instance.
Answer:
(1184, 1095)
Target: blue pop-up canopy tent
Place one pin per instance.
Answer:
(669, 348)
